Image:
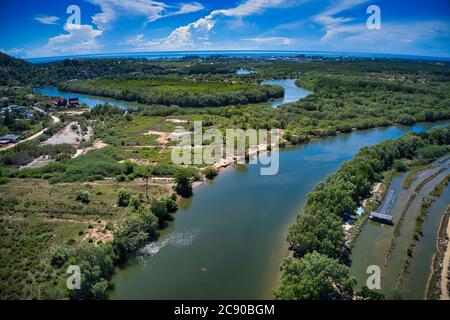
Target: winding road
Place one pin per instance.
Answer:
(34, 136)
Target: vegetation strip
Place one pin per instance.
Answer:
(434, 285)
(428, 179)
(420, 219)
(398, 227)
(412, 175)
(317, 236)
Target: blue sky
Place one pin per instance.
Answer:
(39, 28)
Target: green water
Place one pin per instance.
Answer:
(227, 242)
(420, 267)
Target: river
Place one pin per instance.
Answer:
(228, 240)
(89, 100)
(292, 93)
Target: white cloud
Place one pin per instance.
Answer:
(47, 19)
(412, 37)
(267, 41)
(190, 8)
(328, 20)
(79, 39)
(152, 10)
(140, 43)
(15, 52)
(187, 36)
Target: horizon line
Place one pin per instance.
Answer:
(318, 52)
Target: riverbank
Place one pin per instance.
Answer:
(240, 204)
(438, 281)
(446, 265)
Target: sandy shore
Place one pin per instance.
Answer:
(445, 267)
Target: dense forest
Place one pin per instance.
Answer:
(317, 236)
(173, 91)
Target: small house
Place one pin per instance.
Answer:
(74, 102)
(9, 138)
(382, 218)
(59, 102)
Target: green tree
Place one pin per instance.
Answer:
(183, 185)
(316, 231)
(159, 209)
(96, 266)
(369, 294)
(314, 277)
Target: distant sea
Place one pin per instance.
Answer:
(236, 54)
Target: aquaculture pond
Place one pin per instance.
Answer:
(377, 244)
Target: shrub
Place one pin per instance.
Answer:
(83, 196)
(171, 205)
(135, 202)
(59, 257)
(121, 178)
(124, 196)
(211, 173)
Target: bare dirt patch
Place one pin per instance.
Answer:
(71, 134)
(98, 144)
(39, 162)
(163, 137)
(98, 234)
(177, 121)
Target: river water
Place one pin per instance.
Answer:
(89, 100)
(228, 241)
(292, 93)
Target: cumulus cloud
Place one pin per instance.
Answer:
(79, 39)
(189, 35)
(46, 19)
